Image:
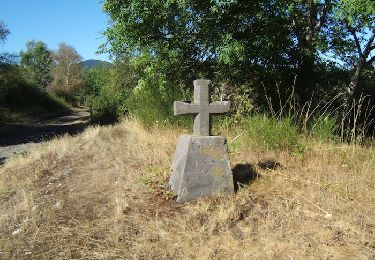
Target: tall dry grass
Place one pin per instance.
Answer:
(103, 195)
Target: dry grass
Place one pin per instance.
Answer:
(103, 195)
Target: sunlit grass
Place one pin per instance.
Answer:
(104, 195)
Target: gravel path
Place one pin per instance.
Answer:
(18, 138)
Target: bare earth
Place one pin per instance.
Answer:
(18, 138)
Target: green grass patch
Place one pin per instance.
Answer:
(324, 128)
(274, 134)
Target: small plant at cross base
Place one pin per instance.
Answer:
(156, 181)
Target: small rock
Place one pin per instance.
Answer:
(328, 216)
(16, 232)
(57, 206)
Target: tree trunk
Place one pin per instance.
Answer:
(307, 76)
(353, 85)
(362, 62)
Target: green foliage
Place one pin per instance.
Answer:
(259, 54)
(20, 96)
(220, 40)
(23, 87)
(272, 133)
(231, 51)
(324, 128)
(5, 58)
(354, 40)
(36, 62)
(152, 99)
(357, 12)
(3, 31)
(95, 79)
(112, 92)
(156, 179)
(252, 43)
(104, 92)
(134, 86)
(105, 105)
(68, 76)
(102, 100)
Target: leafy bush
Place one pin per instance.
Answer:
(276, 134)
(101, 94)
(324, 128)
(20, 96)
(152, 96)
(150, 102)
(95, 79)
(106, 106)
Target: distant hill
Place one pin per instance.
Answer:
(88, 64)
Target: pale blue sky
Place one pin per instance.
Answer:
(75, 22)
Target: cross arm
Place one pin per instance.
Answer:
(219, 107)
(183, 108)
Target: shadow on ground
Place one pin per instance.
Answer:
(2, 160)
(11, 134)
(245, 174)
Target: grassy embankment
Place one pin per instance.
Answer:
(22, 103)
(103, 195)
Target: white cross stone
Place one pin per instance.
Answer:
(202, 107)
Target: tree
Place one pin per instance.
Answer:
(5, 58)
(95, 79)
(356, 43)
(309, 22)
(68, 77)
(36, 62)
(257, 46)
(232, 41)
(3, 31)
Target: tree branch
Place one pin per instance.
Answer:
(369, 47)
(323, 16)
(313, 14)
(356, 40)
(370, 60)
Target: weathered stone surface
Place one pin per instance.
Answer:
(201, 167)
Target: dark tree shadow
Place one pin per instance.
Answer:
(269, 164)
(244, 174)
(20, 134)
(2, 160)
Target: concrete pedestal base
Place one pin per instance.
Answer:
(201, 167)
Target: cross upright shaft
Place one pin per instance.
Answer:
(202, 107)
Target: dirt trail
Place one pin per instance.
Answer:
(18, 138)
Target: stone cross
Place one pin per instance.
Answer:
(200, 165)
(202, 107)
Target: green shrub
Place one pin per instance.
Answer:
(106, 105)
(324, 128)
(149, 104)
(19, 96)
(151, 101)
(276, 134)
